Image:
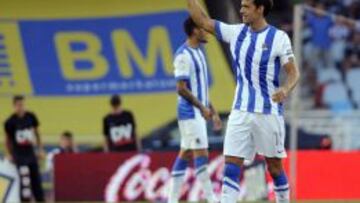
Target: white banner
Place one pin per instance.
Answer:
(9, 182)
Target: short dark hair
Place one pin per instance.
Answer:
(268, 5)
(17, 98)
(67, 134)
(189, 26)
(115, 100)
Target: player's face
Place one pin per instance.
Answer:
(66, 142)
(201, 35)
(250, 13)
(19, 106)
(115, 107)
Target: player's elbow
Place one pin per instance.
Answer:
(181, 89)
(293, 72)
(207, 24)
(297, 75)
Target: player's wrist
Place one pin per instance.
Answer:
(286, 90)
(215, 116)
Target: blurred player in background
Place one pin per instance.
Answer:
(256, 123)
(194, 108)
(353, 24)
(66, 145)
(22, 136)
(119, 129)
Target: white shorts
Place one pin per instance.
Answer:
(193, 134)
(251, 133)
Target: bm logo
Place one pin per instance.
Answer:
(129, 55)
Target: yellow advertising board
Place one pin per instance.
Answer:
(68, 57)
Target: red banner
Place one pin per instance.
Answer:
(129, 177)
(123, 177)
(328, 175)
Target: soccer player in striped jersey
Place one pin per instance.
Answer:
(256, 123)
(194, 108)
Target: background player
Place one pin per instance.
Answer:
(256, 123)
(66, 145)
(119, 128)
(22, 135)
(194, 109)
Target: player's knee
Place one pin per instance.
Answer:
(201, 153)
(274, 172)
(234, 160)
(233, 167)
(274, 167)
(185, 154)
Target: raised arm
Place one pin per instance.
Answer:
(198, 14)
(348, 22)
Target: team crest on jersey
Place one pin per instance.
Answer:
(265, 47)
(289, 52)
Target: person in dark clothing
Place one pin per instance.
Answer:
(23, 147)
(119, 128)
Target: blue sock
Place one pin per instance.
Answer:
(231, 176)
(177, 178)
(203, 176)
(230, 189)
(200, 164)
(281, 181)
(281, 188)
(179, 167)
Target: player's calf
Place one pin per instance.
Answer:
(230, 188)
(281, 185)
(201, 165)
(177, 175)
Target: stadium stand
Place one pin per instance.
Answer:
(343, 58)
(353, 83)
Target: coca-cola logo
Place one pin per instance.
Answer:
(135, 180)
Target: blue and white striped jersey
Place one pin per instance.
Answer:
(191, 66)
(257, 59)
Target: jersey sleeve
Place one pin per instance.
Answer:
(286, 52)
(35, 120)
(7, 127)
(132, 120)
(182, 65)
(226, 32)
(105, 127)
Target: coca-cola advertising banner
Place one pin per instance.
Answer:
(114, 177)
